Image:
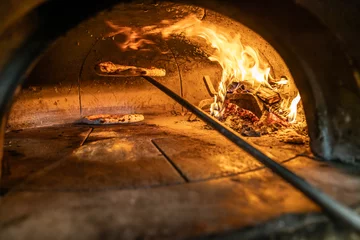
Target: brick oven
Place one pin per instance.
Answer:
(179, 120)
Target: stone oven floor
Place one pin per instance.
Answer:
(164, 178)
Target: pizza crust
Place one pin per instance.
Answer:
(109, 69)
(101, 119)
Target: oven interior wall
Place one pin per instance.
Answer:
(224, 194)
(63, 86)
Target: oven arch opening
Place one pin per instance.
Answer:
(328, 104)
(323, 76)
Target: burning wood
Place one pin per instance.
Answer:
(242, 87)
(246, 90)
(254, 113)
(110, 69)
(243, 68)
(112, 119)
(247, 101)
(268, 96)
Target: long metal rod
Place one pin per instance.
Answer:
(333, 208)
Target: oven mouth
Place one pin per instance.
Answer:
(331, 116)
(214, 62)
(92, 110)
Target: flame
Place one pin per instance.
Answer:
(134, 39)
(239, 62)
(293, 109)
(282, 82)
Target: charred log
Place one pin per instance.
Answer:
(247, 101)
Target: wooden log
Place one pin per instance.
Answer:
(247, 101)
(268, 96)
(109, 69)
(242, 86)
(209, 86)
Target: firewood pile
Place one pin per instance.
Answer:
(257, 112)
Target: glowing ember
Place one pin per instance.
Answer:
(293, 109)
(240, 63)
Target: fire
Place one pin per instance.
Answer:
(239, 62)
(283, 81)
(134, 39)
(293, 109)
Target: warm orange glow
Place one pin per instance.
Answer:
(134, 39)
(293, 109)
(282, 82)
(239, 62)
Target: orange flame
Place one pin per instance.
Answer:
(282, 82)
(134, 39)
(293, 109)
(239, 62)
